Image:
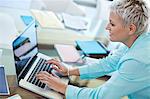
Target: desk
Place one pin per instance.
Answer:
(25, 94)
(14, 89)
(47, 36)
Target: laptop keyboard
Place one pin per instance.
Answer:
(40, 66)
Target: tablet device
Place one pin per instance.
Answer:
(4, 90)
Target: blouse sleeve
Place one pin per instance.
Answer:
(131, 77)
(104, 66)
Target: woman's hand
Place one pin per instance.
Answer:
(52, 81)
(59, 67)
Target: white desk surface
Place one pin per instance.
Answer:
(46, 36)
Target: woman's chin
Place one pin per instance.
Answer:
(113, 40)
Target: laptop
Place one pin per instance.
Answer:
(28, 62)
(4, 89)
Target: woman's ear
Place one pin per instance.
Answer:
(132, 29)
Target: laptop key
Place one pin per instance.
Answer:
(43, 85)
(41, 66)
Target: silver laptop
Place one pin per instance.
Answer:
(29, 62)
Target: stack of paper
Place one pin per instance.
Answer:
(47, 19)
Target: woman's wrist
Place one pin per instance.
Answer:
(63, 89)
(73, 71)
(68, 71)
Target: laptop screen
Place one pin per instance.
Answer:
(4, 90)
(25, 48)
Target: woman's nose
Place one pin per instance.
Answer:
(107, 27)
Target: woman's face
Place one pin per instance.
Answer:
(118, 33)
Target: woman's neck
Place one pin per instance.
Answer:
(130, 41)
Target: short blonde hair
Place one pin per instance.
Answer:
(132, 12)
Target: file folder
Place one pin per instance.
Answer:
(92, 47)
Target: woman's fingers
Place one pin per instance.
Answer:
(55, 75)
(51, 81)
(56, 68)
(52, 61)
(43, 75)
(55, 62)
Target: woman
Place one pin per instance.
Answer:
(128, 23)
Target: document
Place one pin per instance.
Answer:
(47, 19)
(74, 22)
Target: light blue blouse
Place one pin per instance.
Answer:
(131, 77)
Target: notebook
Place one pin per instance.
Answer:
(67, 53)
(28, 62)
(4, 89)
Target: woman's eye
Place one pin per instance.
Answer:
(112, 24)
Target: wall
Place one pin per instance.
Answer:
(22, 4)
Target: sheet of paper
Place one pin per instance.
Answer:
(47, 19)
(74, 22)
